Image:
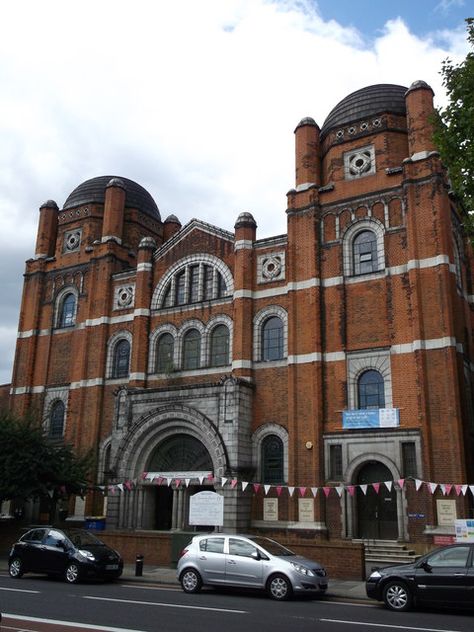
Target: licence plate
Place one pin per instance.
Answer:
(111, 567)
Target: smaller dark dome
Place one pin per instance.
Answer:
(369, 101)
(49, 204)
(147, 242)
(93, 191)
(172, 219)
(419, 84)
(245, 219)
(307, 120)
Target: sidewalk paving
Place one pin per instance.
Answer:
(337, 589)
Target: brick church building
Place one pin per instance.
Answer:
(318, 380)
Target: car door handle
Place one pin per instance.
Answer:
(231, 562)
(203, 557)
(458, 574)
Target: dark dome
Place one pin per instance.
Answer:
(370, 101)
(93, 190)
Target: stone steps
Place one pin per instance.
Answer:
(387, 552)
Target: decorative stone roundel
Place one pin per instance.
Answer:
(72, 240)
(124, 296)
(271, 267)
(360, 163)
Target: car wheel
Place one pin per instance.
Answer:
(191, 581)
(72, 574)
(397, 596)
(279, 587)
(15, 568)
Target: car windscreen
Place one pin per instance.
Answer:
(80, 537)
(272, 547)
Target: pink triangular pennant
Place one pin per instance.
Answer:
(376, 486)
(128, 485)
(233, 483)
(278, 489)
(448, 487)
(210, 476)
(401, 482)
(351, 489)
(144, 475)
(458, 489)
(256, 487)
(302, 490)
(326, 491)
(177, 482)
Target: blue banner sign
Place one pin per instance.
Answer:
(370, 418)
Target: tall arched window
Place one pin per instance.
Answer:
(164, 353)
(56, 420)
(192, 349)
(272, 460)
(219, 346)
(272, 339)
(121, 359)
(370, 389)
(67, 311)
(364, 249)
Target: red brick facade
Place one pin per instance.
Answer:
(363, 304)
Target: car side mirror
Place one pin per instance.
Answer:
(426, 567)
(256, 555)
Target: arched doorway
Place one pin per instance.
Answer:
(176, 455)
(376, 512)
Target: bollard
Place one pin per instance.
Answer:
(139, 566)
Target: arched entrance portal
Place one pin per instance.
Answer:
(377, 512)
(177, 454)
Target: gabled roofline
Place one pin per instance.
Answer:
(193, 224)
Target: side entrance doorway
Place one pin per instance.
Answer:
(376, 512)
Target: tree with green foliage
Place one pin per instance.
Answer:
(33, 467)
(454, 125)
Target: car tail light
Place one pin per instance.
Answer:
(183, 552)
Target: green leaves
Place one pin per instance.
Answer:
(32, 467)
(454, 125)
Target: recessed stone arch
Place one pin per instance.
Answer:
(157, 425)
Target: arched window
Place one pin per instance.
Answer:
(67, 311)
(56, 420)
(121, 359)
(219, 346)
(192, 349)
(164, 353)
(370, 389)
(364, 250)
(272, 460)
(272, 339)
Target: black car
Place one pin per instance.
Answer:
(74, 554)
(443, 577)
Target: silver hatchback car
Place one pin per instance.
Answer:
(250, 561)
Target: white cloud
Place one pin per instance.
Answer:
(197, 101)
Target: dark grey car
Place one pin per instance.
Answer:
(248, 561)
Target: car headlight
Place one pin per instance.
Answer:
(375, 575)
(87, 554)
(302, 569)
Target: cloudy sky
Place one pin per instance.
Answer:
(195, 100)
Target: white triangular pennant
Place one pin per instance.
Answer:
(463, 489)
(432, 487)
(201, 479)
(266, 488)
(442, 487)
(388, 485)
(291, 490)
(363, 488)
(339, 490)
(471, 487)
(120, 486)
(244, 486)
(224, 481)
(168, 481)
(314, 491)
(187, 481)
(418, 484)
